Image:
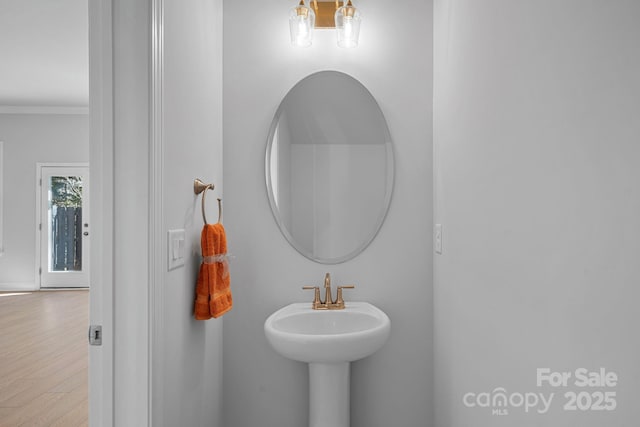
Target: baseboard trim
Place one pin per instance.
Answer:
(18, 287)
(38, 109)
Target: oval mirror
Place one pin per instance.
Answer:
(329, 167)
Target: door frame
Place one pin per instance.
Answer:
(103, 410)
(40, 210)
(156, 247)
(101, 150)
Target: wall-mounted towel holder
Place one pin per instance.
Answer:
(201, 187)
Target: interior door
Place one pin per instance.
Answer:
(64, 226)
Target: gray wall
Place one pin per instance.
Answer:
(536, 177)
(394, 386)
(29, 139)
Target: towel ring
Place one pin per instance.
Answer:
(201, 187)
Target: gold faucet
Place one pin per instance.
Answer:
(328, 300)
(328, 303)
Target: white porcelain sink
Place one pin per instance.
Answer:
(300, 333)
(328, 340)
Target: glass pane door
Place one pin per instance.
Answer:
(64, 227)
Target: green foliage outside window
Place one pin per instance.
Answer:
(66, 191)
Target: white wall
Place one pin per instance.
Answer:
(536, 178)
(187, 370)
(193, 149)
(394, 386)
(28, 139)
(131, 113)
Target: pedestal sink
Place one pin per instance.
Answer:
(328, 340)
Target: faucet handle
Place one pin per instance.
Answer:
(339, 300)
(316, 296)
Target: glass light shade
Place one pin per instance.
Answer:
(301, 23)
(348, 25)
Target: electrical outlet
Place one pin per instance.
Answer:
(437, 241)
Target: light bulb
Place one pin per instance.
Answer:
(301, 22)
(347, 25)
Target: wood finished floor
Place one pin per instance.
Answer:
(44, 359)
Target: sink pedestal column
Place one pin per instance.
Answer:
(329, 394)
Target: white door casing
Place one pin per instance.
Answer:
(117, 37)
(101, 143)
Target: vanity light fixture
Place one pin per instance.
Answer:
(341, 15)
(348, 25)
(301, 24)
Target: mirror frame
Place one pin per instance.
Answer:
(390, 179)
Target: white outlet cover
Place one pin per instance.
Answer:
(437, 241)
(175, 248)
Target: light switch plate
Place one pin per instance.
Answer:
(175, 249)
(437, 240)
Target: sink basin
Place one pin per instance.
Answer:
(326, 336)
(328, 340)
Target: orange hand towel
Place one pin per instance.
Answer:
(213, 294)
